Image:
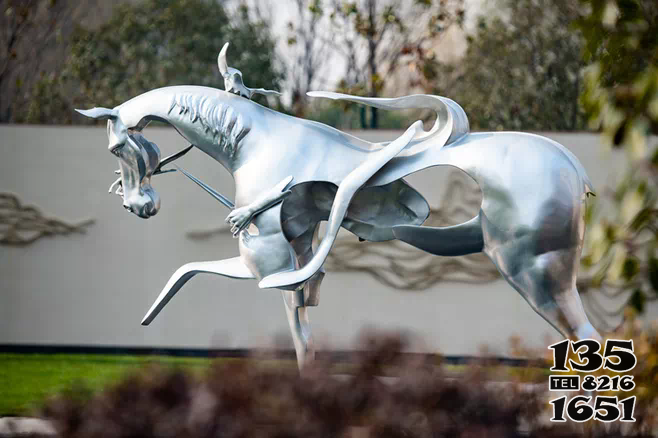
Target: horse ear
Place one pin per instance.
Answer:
(99, 113)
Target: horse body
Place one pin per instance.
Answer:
(530, 223)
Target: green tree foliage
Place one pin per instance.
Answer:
(154, 43)
(621, 97)
(521, 71)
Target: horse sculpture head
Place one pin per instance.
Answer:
(139, 160)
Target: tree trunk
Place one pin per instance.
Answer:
(372, 61)
(575, 106)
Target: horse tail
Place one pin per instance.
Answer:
(451, 120)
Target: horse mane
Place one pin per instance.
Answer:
(227, 125)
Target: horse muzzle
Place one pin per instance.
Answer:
(143, 205)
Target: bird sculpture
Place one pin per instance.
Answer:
(233, 79)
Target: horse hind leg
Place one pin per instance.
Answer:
(548, 283)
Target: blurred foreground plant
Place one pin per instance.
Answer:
(248, 398)
(645, 342)
(621, 98)
(245, 399)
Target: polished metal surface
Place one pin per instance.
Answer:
(292, 173)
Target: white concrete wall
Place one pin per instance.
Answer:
(95, 288)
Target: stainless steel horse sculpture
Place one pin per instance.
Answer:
(291, 174)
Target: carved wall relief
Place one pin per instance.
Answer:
(21, 225)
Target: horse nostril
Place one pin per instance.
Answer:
(127, 207)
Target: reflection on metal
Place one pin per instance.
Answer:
(21, 225)
(400, 266)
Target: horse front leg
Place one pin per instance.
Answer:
(232, 268)
(300, 326)
(267, 251)
(303, 247)
(298, 301)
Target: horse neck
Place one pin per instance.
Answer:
(191, 133)
(210, 119)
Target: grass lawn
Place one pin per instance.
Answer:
(26, 380)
